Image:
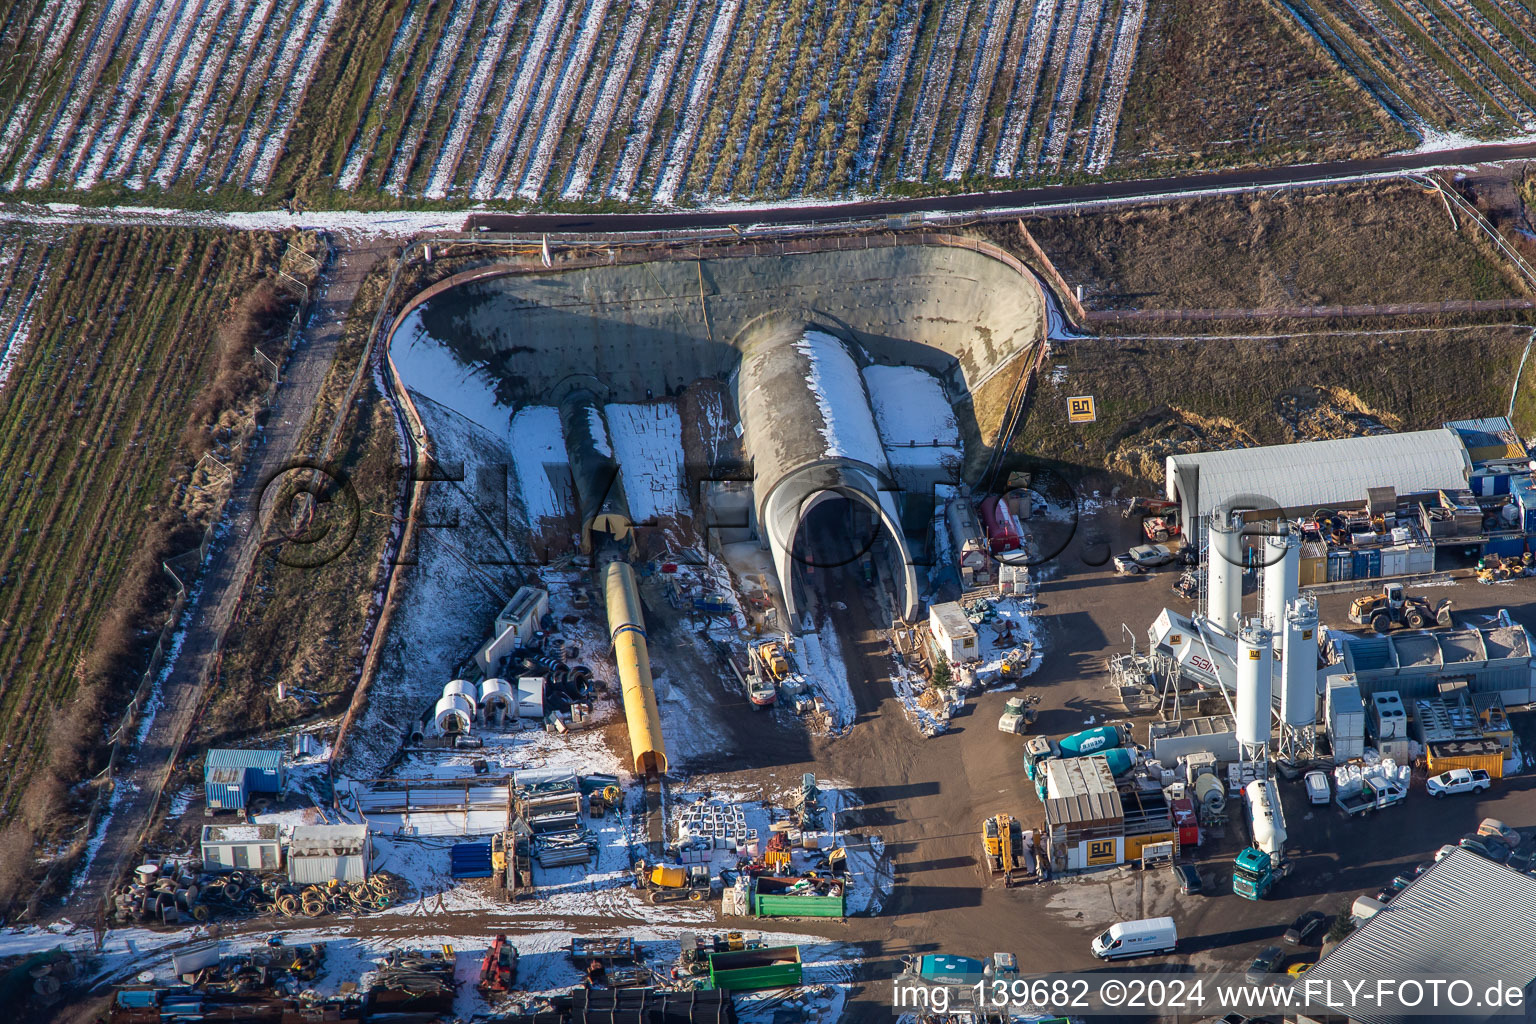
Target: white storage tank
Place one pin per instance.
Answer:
(497, 699)
(1255, 662)
(1282, 578)
(1298, 671)
(1224, 572)
(454, 714)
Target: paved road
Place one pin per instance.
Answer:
(1049, 195)
(229, 563)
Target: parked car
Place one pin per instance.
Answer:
(1317, 788)
(1391, 889)
(1459, 780)
(1306, 929)
(1188, 877)
(1495, 827)
(1441, 853)
(1150, 556)
(1301, 967)
(1523, 858)
(1264, 965)
(1125, 565)
(1492, 847)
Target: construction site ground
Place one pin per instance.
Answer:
(926, 798)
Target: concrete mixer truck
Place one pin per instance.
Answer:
(1108, 740)
(1258, 867)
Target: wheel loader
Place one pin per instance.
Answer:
(1391, 608)
(1002, 848)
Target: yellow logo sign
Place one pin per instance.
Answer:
(1174, 639)
(1101, 851)
(1253, 655)
(1080, 409)
(1306, 634)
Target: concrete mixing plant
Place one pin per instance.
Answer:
(1254, 697)
(1298, 681)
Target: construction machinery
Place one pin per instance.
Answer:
(1018, 715)
(1161, 522)
(1098, 740)
(1002, 847)
(776, 856)
(498, 971)
(1391, 608)
(668, 883)
(601, 801)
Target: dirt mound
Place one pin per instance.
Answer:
(1320, 413)
(1151, 438)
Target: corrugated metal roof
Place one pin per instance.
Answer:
(232, 758)
(1465, 915)
(1081, 789)
(1332, 472)
(327, 840)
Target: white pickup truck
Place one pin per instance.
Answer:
(1373, 795)
(1458, 780)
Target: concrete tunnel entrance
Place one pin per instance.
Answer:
(840, 544)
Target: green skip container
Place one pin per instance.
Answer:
(744, 970)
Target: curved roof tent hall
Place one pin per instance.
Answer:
(807, 426)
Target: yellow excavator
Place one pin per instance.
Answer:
(1391, 608)
(1002, 847)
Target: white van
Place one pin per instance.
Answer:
(1136, 938)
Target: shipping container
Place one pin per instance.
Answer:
(1361, 567)
(1421, 559)
(1394, 561)
(768, 903)
(1525, 498)
(1493, 764)
(1373, 563)
(1505, 546)
(264, 769)
(1313, 567)
(745, 970)
(224, 789)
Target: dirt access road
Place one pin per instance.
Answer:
(223, 577)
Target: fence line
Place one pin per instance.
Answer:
(189, 563)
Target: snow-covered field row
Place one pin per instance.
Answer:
(667, 102)
(1462, 63)
(147, 90)
(23, 276)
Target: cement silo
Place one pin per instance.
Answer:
(1224, 572)
(1298, 680)
(1282, 579)
(1255, 662)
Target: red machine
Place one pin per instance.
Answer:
(498, 971)
(1002, 529)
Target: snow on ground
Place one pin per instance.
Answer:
(648, 443)
(821, 659)
(915, 420)
(540, 463)
(429, 368)
(392, 223)
(834, 379)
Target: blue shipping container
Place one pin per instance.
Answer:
(1362, 565)
(224, 789)
(1505, 546)
(1373, 568)
(263, 769)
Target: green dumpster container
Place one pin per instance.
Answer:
(743, 970)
